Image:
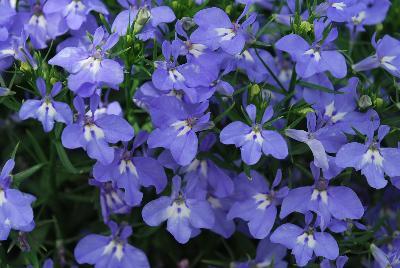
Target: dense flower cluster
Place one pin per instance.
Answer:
(271, 79)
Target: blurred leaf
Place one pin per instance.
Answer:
(64, 159)
(19, 177)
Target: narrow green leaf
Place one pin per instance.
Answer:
(64, 159)
(318, 87)
(19, 177)
(221, 116)
(15, 150)
(36, 147)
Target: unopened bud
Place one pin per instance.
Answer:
(141, 19)
(187, 23)
(364, 102)
(53, 80)
(378, 102)
(25, 67)
(254, 90)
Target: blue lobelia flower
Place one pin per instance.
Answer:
(15, 47)
(318, 57)
(340, 262)
(216, 30)
(367, 12)
(185, 212)
(46, 110)
(15, 207)
(130, 171)
(390, 258)
(94, 134)
(305, 242)
(268, 255)
(110, 251)
(387, 56)
(319, 139)
(327, 201)
(176, 126)
(340, 110)
(74, 12)
(111, 199)
(257, 202)
(371, 159)
(254, 140)
(40, 25)
(134, 12)
(220, 207)
(90, 67)
(206, 175)
(340, 10)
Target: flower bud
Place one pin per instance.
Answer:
(254, 90)
(379, 103)
(25, 67)
(141, 19)
(364, 102)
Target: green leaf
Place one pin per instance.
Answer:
(19, 177)
(15, 150)
(221, 116)
(318, 87)
(64, 159)
(36, 147)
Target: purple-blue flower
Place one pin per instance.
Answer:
(131, 171)
(257, 202)
(206, 175)
(40, 25)
(46, 110)
(185, 212)
(327, 201)
(216, 30)
(373, 160)
(319, 139)
(94, 134)
(111, 199)
(318, 57)
(387, 56)
(254, 140)
(15, 207)
(90, 67)
(110, 251)
(305, 242)
(74, 12)
(143, 13)
(177, 124)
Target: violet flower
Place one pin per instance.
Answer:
(74, 12)
(318, 57)
(373, 160)
(41, 26)
(387, 56)
(305, 242)
(46, 110)
(185, 212)
(110, 251)
(111, 199)
(327, 201)
(149, 15)
(177, 124)
(90, 67)
(94, 134)
(130, 172)
(258, 203)
(217, 30)
(254, 140)
(15, 207)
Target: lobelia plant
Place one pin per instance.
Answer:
(263, 133)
